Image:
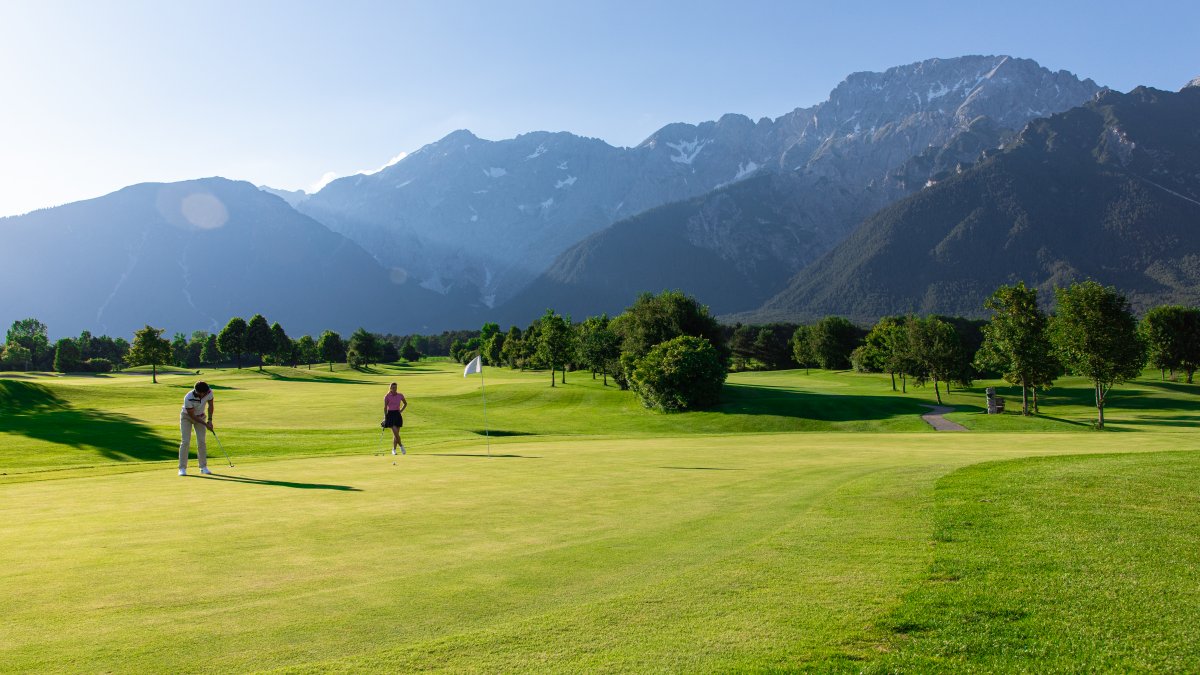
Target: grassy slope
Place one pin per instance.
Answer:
(1066, 564)
(53, 422)
(614, 537)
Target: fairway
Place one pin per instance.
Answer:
(796, 526)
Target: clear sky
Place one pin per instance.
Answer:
(98, 95)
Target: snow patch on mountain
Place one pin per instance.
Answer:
(541, 150)
(746, 169)
(566, 182)
(688, 150)
(494, 172)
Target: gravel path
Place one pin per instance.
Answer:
(939, 423)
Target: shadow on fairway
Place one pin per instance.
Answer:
(278, 483)
(35, 411)
(1064, 420)
(500, 432)
(478, 454)
(699, 468)
(747, 399)
(1120, 398)
(1178, 387)
(325, 379)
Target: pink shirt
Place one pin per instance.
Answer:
(392, 401)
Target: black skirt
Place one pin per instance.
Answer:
(393, 419)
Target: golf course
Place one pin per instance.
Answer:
(812, 521)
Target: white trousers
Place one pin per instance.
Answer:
(185, 432)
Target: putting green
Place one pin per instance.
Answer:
(607, 538)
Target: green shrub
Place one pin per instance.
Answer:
(680, 374)
(98, 365)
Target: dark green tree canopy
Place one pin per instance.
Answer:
(1172, 334)
(935, 350)
(684, 373)
(232, 339)
(1017, 341)
(67, 356)
(331, 347)
(654, 319)
(365, 347)
(833, 339)
(1095, 335)
(149, 348)
(259, 339)
(556, 342)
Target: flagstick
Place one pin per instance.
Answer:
(483, 390)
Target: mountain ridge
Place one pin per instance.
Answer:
(1108, 191)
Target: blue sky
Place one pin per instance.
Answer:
(96, 96)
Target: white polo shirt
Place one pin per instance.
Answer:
(196, 403)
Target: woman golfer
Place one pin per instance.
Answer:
(393, 408)
(193, 417)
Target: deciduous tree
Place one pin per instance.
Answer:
(1172, 334)
(935, 350)
(331, 347)
(683, 373)
(67, 356)
(306, 349)
(259, 340)
(232, 340)
(149, 348)
(555, 342)
(32, 335)
(1095, 335)
(1016, 341)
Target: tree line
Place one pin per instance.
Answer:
(1092, 333)
(675, 355)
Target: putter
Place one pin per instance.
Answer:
(222, 447)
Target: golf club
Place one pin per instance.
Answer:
(222, 447)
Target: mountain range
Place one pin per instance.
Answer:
(1108, 191)
(890, 196)
(190, 255)
(493, 216)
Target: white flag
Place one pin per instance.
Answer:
(474, 366)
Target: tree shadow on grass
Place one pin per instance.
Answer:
(500, 432)
(1178, 387)
(1119, 398)
(478, 454)
(35, 411)
(325, 379)
(699, 468)
(1063, 420)
(747, 399)
(278, 483)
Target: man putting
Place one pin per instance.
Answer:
(193, 417)
(394, 404)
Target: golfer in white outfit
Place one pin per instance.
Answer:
(193, 417)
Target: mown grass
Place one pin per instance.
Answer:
(1064, 564)
(792, 528)
(56, 422)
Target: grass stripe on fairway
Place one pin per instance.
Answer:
(692, 553)
(781, 530)
(1064, 564)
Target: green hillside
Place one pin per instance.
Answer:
(795, 527)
